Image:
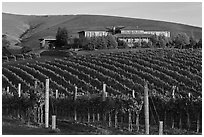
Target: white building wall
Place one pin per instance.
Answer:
(132, 31)
(165, 33)
(95, 33)
(132, 40)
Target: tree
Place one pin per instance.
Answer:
(145, 44)
(5, 42)
(162, 41)
(91, 44)
(199, 44)
(101, 42)
(104, 42)
(154, 39)
(122, 44)
(136, 45)
(181, 40)
(62, 37)
(192, 42)
(111, 40)
(76, 43)
(159, 41)
(83, 42)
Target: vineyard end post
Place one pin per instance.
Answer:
(160, 127)
(7, 89)
(146, 108)
(104, 94)
(56, 94)
(19, 90)
(47, 104)
(53, 122)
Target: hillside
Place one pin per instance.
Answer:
(28, 29)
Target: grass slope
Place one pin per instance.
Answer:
(11, 126)
(39, 26)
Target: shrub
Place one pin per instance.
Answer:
(111, 41)
(122, 44)
(101, 42)
(136, 45)
(181, 40)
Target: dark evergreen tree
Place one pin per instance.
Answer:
(76, 43)
(62, 37)
(83, 42)
(111, 42)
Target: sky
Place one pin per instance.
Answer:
(180, 12)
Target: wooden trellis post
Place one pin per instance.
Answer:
(19, 90)
(137, 121)
(109, 119)
(188, 115)
(98, 116)
(56, 94)
(146, 108)
(93, 116)
(47, 103)
(104, 95)
(38, 115)
(7, 89)
(7, 109)
(75, 97)
(36, 84)
(160, 127)
(129, 120)
(172, 116)
(88, 116)
(38, 109)
(75, 93)
(116, 119)
(198, 122)
(53, 122)
(41, 114)
(133, 93)
(19, 95)
(104, 99)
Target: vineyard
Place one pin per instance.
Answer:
(108, 89)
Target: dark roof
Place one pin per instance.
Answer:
(48, 38)
(155, 29)
(132, 28)
(132, 35)
(91, 30)
(158, 30)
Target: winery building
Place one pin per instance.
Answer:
(129, 35)
(92, 33)
(47, 42)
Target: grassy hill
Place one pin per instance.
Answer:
(28, 29)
